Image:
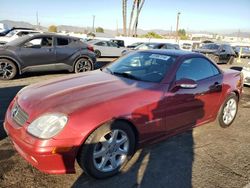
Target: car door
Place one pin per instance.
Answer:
(187, 107)
(114, 49)
(65, 48)
(102, 46)
(38, 51)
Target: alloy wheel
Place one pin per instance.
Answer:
(111, 151)
(83, 65)
(229, 111)
(7, 70)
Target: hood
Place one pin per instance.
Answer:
(71, 93)
(201, 50)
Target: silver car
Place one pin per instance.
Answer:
(104, 48)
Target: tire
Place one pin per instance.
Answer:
(8, 69)
(231, 60)
(223, 118)
(100, 143)
(214, 58)
(83, 65)
(97, 53)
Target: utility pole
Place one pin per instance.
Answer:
(93, 26)
(177, 26)
(117, 31)
(37, 20)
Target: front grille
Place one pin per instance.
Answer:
(19, 115)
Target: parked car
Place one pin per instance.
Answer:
(45, 52)
(219, 53)
(245, 51)
(6, 31)
(245, 71)
(132, 46)
(106, 48)
(101, 117)
(14, 34)
(147, 46)
(187, 46)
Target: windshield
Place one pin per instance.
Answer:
(146, 46)
(143, 66)
(10, 34)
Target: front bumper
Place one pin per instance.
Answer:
(41, 157)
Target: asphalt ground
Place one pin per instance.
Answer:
(208, 156)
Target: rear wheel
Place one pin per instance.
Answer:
(107, 150)
(214, 58)
(83, 65)
(97, 53)
(8, 69)
(228, 111)
(231, 60)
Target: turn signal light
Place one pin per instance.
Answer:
(61, 150)
(90, 48)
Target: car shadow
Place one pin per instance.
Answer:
(167, 164)
(6, 96)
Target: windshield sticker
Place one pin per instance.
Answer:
(161, 57)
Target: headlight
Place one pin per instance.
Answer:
(48, 125)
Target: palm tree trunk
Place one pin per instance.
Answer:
(140, 4)
(124, 15)
(131, 17)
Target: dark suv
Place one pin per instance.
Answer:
(40, 52)
(219, 53)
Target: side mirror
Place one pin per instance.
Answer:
(186, 84)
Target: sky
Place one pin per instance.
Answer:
(196, 15)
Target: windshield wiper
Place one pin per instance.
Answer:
(126, 75)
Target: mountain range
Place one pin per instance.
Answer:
(68, 28)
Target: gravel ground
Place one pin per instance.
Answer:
(208, 156)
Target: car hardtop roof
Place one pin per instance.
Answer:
(52, 35)
(30, 30)
(171, 52)
(22, 28)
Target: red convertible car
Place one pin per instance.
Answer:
(101, 117)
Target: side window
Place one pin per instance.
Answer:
(22, 33)
(39, 42)
(62, 41)
(196, 69)
(112, 44)
(101, 44)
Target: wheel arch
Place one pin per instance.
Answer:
(136, 132)
(14, 61)
(83, 56)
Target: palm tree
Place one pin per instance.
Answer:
(131, 17)
(139, 6)
(124, 15)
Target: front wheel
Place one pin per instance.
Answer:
(83, 65)
(8, 69)
(228, 111)
(97, 53)
(107, 150)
